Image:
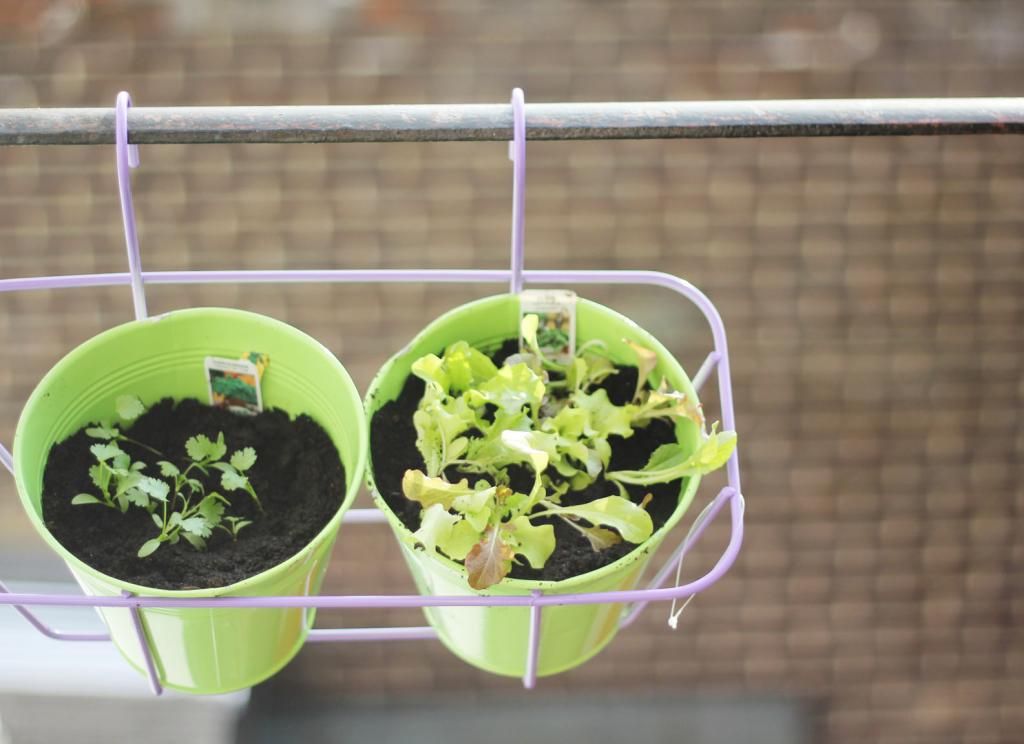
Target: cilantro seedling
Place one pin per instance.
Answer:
(177, 501)
(554, 419)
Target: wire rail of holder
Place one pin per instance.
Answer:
(556, 121)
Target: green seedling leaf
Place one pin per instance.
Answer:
(103, 432)
(430, 369)
(535, 542)
(460, 540)
(201, 449)
(154, 488)
(243, 459)
(149, 547)
(528, 330)
(85, 498)
(670, 461)
(232, 480)
(536, 447)
(632, 522)
(429, 491)
(157, 520)
(512, 388)
(211, 509)
(196, 526)
(606, 418)
(129, 407)
(466, 367)
(476, 508)
(435, 526)
(168, 469)
(104, 452)
(235, 525)
(100, 476)
(137, 497)
(489, 561)
(429, 441)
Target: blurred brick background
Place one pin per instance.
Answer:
(872, 289)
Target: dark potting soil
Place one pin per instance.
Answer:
(298, 477)
(393, 449)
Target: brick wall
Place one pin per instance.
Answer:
(872, 290)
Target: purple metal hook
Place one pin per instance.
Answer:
(517, 154)
(128, 157)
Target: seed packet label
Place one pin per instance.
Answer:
(234, 384)
(556, 327)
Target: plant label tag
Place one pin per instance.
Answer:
(556, 328)
(234, 384)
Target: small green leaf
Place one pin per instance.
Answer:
(233, 481)
(85, 498)
(168, 469)
(460, 540)
(243, 459)
(137, 497)
(148, 547)
(154, 487)
(466, 367)
(429, 491)
(670, 461)
(535, 542)
(129, 407)
(606, 418)
(100, 476)
(104, 452)
(201, 449)
(103, 432)
(158, 520)
(514, 387)
(631, 521)
(435, 526)
(174, 520)
(536, 447)
(196, 526)
(211, 509)
(430, 369)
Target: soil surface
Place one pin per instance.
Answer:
(393, 451)
(298, 477)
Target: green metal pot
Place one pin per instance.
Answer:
(198, 650)
(495, 638)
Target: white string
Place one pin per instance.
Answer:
(673, 614)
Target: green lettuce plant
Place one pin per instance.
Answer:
(481, 421)
(178, 500)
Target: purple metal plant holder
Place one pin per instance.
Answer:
(516, 277)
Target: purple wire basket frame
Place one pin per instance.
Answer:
(717, 361)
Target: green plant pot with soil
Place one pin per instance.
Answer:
(259, 498)
(491, 492)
